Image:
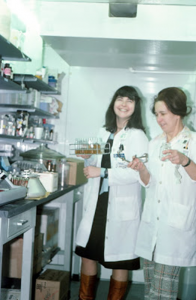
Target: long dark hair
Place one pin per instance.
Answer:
(175, 100)
(135, 120)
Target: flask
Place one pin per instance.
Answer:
(63, 172)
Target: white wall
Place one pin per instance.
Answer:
(91, 90)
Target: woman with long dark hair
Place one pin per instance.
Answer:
(112, 199)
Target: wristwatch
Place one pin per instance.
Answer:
(106, 173)
(187, 164)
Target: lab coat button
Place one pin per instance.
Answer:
(158, 218)
(159, 201)
(160, 182)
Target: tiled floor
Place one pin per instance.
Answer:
(134, 291)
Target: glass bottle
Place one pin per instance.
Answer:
(53, 165)
(63, 172)
(51, 134)
(7, 71)
(49, 166)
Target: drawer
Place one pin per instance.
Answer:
(21, 223)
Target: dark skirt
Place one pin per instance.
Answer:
(94, 249)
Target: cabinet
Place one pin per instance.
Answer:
(70, 205)
(20, 218)
(10, 228)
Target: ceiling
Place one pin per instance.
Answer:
(152, 2)
(135, 55)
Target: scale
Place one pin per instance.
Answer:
(10, 192)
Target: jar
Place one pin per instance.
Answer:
(7, 71)
(3, 124)
(46, 133)
(63, 172)
(52, 81)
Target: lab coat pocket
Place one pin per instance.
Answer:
(181, 216)
(146, 214)
(126, 208)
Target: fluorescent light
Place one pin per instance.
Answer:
(18, 8)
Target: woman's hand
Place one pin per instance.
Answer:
(85, 156)
(92, 172)
(176, 158)
(136, 164)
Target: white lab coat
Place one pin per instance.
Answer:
(124, 205)
(169, 215)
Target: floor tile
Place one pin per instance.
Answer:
(134, 291)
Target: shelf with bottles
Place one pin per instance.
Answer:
(31, 81)
(8, 85)
(23, 127)
(9, 52)
(15, 139)
(13, 108)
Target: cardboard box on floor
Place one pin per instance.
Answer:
(13, 294)
(76, 175)
(52, 284)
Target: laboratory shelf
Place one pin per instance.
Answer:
(33, 82)
(8, 86)
(11, 108)
(13, 139)
(9, 52)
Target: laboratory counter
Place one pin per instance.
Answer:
(19, 218)
(16, 207)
